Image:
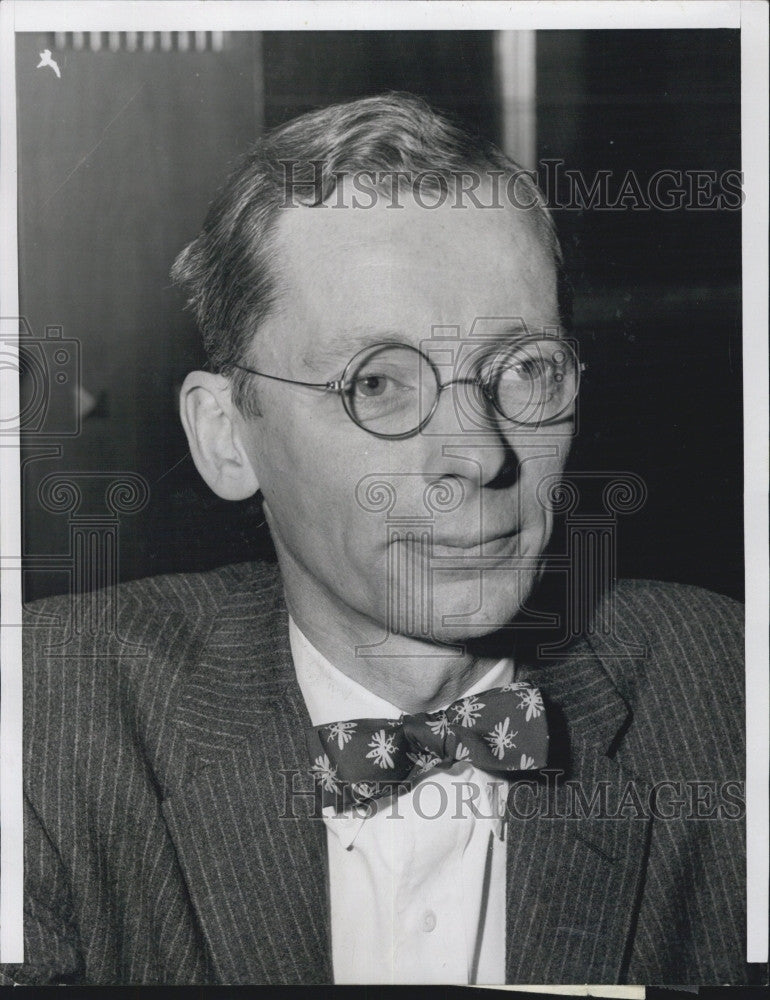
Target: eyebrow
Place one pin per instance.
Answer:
(347, 343)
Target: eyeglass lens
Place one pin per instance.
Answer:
(392, 390)
(534, 381)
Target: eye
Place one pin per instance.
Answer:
(371, 385)
(378, 385)
(515, 371)
(526, 369)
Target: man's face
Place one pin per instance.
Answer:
(446, 548)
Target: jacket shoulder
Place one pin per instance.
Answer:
(97, 617)
(117, 662)
(674, 622)
(153, 627)
(670, 601)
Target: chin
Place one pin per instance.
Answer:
(470, 608)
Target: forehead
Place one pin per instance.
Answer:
(403, 271)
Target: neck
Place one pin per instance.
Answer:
(413, 674)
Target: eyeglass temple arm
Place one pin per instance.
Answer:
(335, 385)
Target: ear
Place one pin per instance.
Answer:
(209, 419)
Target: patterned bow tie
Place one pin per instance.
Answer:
(503, 729)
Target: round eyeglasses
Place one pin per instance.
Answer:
(392, 390)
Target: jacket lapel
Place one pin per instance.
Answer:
(253, 857)
(575, 876)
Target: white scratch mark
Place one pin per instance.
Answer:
(96, 145)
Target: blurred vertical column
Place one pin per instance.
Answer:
(515, 75)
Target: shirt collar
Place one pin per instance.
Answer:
(331, 696)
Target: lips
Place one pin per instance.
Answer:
(465, 548)
(473, 542)
(459, 553)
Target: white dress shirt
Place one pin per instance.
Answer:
(417, 890)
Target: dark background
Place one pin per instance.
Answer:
(120, 158)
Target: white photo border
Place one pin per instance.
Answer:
(751, 16)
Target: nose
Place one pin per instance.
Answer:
(470, 404)
(464, 438)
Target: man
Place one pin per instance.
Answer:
(379, 298)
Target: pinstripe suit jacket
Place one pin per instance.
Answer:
(155, 851)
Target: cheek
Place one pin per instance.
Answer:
(540, 474)
(308, 475)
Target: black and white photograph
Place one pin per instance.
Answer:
(384, 502)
